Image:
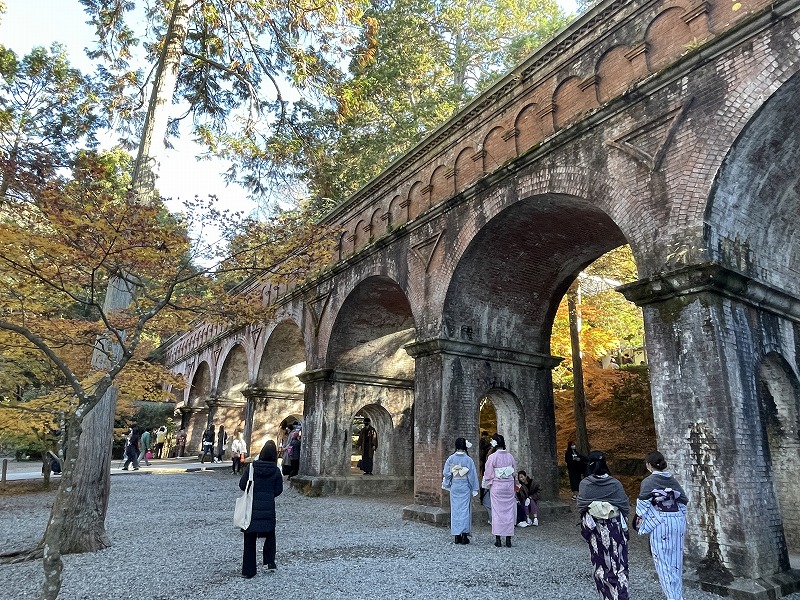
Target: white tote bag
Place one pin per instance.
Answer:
(244, 505)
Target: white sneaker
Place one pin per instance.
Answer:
(536, 521)
(522, 524)
(529, 522)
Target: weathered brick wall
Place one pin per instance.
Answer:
(668, 125)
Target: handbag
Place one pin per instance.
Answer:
(244, 505)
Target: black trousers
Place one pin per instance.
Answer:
(249, 556)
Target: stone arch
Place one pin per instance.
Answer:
(529, 130)
(779, 392)
(383, 423)
(368, 366)
(614, 73)
(467, 168)
(667, 37)
(200, 389)
(573, 97)
(497, 149)
(441, 187)
(750, 218)
(278, 390)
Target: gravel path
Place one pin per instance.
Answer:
(173, 540)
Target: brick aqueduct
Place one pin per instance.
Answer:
(670, 125)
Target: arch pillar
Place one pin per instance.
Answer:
(265, 410)
(451, 377)
(227, 412)
(706, 327)
(194, 419)
(332, 398)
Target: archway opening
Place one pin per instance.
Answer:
(500, 308)
(379, 419)
(278, 390)
(601, 388)
(779, 393)
(372, 375)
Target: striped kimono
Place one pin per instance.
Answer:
(661, 512)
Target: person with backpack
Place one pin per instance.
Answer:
(661, 512)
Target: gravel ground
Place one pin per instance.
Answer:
(173, 540)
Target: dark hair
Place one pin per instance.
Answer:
(521, 472)
(597, 463)
(269, 452)
(569, 443)
(656, 459)
(501, 441)
(461, 444)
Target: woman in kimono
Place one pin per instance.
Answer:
(604, 506)
(661, 512)
(461, 478)
(499, 480)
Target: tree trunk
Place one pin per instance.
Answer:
(88, 468)
(579, 394)
(77, 519)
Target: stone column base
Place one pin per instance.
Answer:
(375, 485)
(766, 588)
(438, 515)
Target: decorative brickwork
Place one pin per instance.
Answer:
(669, 125)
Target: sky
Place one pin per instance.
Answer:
(29, 23)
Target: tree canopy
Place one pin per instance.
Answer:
(415, 64)
(46, 110)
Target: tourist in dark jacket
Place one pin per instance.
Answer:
(576, 467)
(267, 485)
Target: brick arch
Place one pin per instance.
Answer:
(441, 186)
(201, 386)
(667, 37)
(371, 327)
(779, 399)
(573, 97)
(358, 236)
(417, 201)
(751, 214)
(468, 168)
(498, 148)
(377, 224)
(529, 130)
(283, 359)
(548, 239)
(614, 73)
(615, 201)
(234, 374)
(397, 213)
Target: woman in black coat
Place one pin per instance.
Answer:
(267, 485)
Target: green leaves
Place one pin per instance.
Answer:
(46, 110)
